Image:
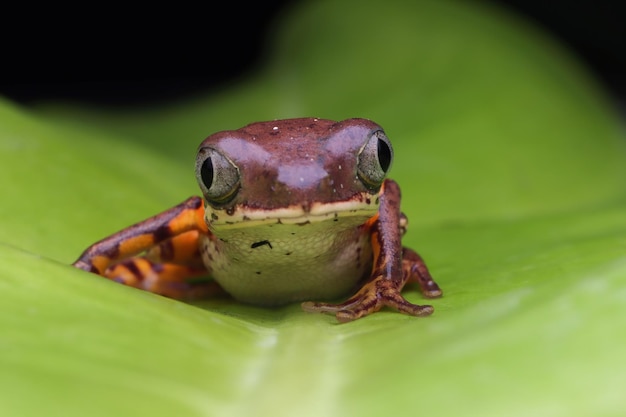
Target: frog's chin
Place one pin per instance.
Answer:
(244, 216)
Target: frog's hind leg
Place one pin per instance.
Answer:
(160, 254)
(172, 268)
(414, 270)
(182, 282)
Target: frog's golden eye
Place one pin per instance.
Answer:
(217, 176)
(374, 160)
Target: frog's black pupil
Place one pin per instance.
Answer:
(384, 155)
(206, 172)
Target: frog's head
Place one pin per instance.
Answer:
(293, 171)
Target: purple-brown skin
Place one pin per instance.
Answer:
(294, 209)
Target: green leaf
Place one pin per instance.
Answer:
(513, 171)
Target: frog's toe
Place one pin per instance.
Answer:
(371, 298)
(342, 313)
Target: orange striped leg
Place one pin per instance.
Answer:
(182, 282)
(390, 272)
(160, 254)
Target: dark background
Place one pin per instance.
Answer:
(112, 57)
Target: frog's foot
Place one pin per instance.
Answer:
(374, 295)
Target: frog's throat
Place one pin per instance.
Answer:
(243, 216)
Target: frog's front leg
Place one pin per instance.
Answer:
(393, 267)
(159, 254)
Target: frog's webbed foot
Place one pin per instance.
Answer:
(374, 295)
(382, 291)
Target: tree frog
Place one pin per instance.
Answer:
(294, 210)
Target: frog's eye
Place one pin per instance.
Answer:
(217, 176)
(374, 160)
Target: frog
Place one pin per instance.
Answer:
(293, 210)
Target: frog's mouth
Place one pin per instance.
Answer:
(364, 206)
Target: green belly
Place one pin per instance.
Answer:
(276, 264)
